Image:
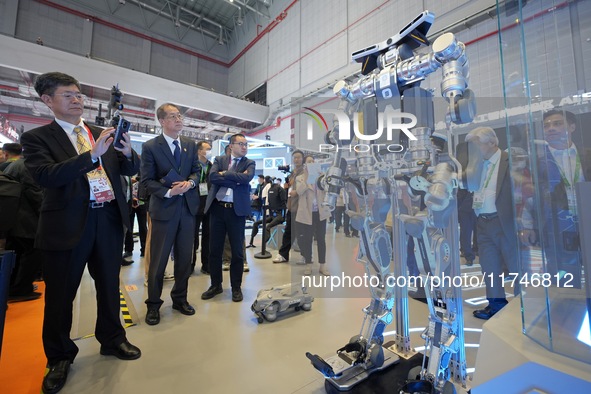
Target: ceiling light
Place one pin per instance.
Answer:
(220, 38)
(239, 20)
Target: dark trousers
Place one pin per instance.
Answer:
(142, 221)
(255, 227)
(28, 264)
(316, 230)
(338, 218)
(178, 232)
(100, 246)
(225, 221)
(272, 221)
(202, 221)
(277, 220)
(287, 237)
(468, 233)
(495, 248)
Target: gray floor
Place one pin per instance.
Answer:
(222, 349)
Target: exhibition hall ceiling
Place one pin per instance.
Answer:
(19, 100)
(208, 27)
(220, 21)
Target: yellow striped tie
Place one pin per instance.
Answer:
(81, 142)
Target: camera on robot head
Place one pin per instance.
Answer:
(115, 104)
(285, 169)
(121, 124)
(398, 47)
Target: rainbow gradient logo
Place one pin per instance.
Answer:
(316, 117)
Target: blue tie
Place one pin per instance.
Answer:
(236, 160)
(485, 168)
(177, 153)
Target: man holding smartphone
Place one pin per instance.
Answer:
(80, 173)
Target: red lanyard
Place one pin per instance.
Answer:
(91, 138)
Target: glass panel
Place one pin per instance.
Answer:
(544, 62)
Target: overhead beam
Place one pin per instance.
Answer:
(40, 59)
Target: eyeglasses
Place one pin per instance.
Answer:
(242, 144)
(553, 123)
(174, 116)
(71, 95)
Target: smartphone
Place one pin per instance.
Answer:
(122, 127)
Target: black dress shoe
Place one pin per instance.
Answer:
(55, 379)
(125, 351)
(24, 297)
(211, 292)
(250, 246)
(153, 317)
(204, 271)
(184, 308)
(487, 312)
(237, 295)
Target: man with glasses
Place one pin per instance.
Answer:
(228, 205)
(561, 164)
(82, 220)
(170, 171)
(493, 205)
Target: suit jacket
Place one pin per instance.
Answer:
(30, 202)
(306, 201)
(157, 161)
(557, 217)
(61, 171)
(504, 197)
(236, 180)
(549, 176)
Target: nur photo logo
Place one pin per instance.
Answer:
(389, 121)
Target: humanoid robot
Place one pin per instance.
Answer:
(417, 188)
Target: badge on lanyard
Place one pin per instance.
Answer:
(572, 200)
(203, 189)
(99, 184)
(478, 200)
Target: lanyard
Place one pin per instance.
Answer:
(91, 138)
(203, 172)
(490, 175)
(577, 172)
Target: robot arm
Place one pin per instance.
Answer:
(396, 75)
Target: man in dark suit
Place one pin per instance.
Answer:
(21, 238)
(228, 204)
(495, 223)
(560, 165)
(80, 173)
(169, 172)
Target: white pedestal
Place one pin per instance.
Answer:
(509, 362)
